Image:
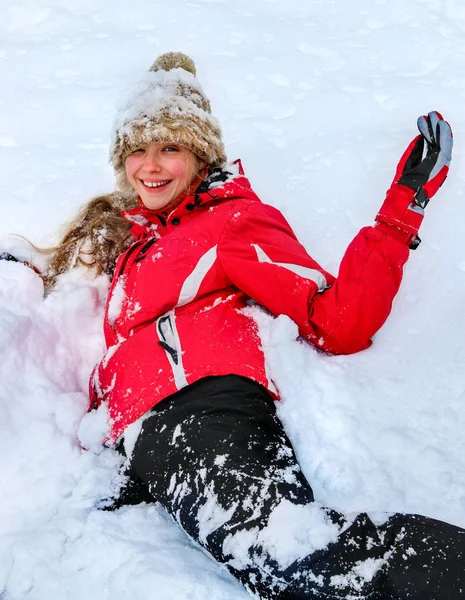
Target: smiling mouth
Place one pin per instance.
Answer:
(155, 185)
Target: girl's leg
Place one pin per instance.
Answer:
(217, 458)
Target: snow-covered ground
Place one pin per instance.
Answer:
(319, 99)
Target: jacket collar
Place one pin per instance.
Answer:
(221, 183)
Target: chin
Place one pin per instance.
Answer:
(152, 204)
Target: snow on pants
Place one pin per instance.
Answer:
(216, 456)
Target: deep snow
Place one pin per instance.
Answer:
(319, 99)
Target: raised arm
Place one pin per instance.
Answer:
(261, 255)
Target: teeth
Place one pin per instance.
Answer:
(153, 184)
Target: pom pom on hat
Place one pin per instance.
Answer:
(174, 60)
(168, 105)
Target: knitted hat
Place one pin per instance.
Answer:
(168, 105)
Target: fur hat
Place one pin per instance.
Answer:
(168, 105)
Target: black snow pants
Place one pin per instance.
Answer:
(216, 456)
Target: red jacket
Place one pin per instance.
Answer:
(174, 311)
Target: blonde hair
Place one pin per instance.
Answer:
(99, 233)
(94, 238)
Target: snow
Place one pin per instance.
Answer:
(319, 99)
(293, 530)
(116, 301)
(211, 515)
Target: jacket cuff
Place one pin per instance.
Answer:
(404, 237)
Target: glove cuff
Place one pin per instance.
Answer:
(400, 210)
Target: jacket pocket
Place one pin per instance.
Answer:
(170, 342)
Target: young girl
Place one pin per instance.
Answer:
(185, 370)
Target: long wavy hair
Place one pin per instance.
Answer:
(94, 238)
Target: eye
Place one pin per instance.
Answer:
(138, 151)
(170, 148)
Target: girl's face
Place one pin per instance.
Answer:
(160, 172)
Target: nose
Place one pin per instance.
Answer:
(152, 161)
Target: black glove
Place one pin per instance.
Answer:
(417, 179)
(7, 256)
(10, 257)
(426, 175)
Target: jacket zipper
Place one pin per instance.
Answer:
(143, 251)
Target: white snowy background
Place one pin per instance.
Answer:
(319, 99)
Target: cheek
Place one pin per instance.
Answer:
(180, 168)
(132, 166)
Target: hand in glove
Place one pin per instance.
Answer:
(418, 178)
(10, 257)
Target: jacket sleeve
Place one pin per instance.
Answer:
(261, 256)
